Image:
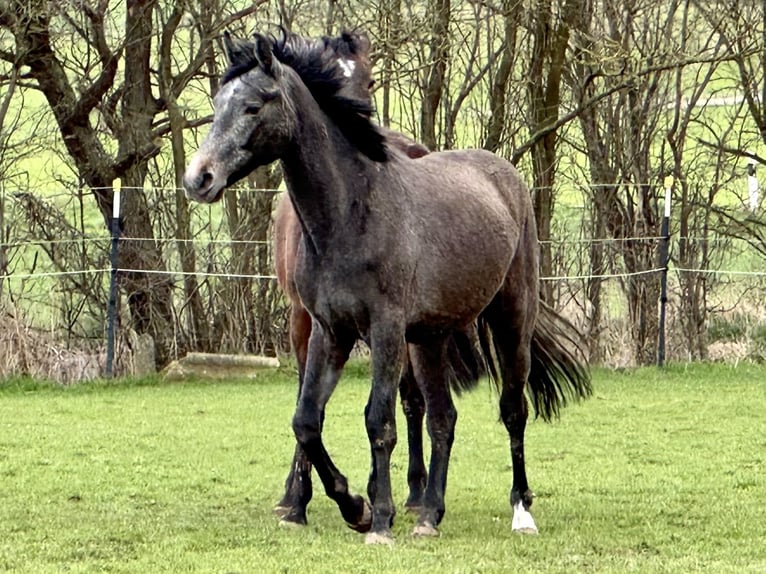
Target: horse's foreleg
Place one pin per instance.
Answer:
(326, 358)
(389, 352)
(414, 409)
(298, 490)
(428, 363)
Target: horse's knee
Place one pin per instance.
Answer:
(306, 429)
(381, 432)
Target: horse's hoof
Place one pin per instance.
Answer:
(365, 522)
(379, 538)
(425, 529)
(523, 522)
(288, 517)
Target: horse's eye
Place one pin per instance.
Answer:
(253, 109)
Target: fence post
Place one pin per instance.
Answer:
(112, 311)
(664, 261)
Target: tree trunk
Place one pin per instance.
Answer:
(544, 92)
(197, 334)
(148, 295)
(497, 105)
(436, 71)
(390, 29)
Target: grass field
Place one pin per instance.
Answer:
(661, 471)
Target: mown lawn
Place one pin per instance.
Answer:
(661, 471)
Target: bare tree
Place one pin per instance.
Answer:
(551, 25)
(638, 59)
(77, 86)
(500, 84)
(434, 81)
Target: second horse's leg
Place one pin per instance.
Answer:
(414, 408)
(428, 363)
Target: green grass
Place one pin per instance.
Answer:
(661, 471)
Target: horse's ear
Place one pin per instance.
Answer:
(283, 33)
(238, 52)
(358, 43)
(264, 53)
(363, 43)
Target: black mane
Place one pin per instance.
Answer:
(315, 61)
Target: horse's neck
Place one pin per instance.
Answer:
(314, 174)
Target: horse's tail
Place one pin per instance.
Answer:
(559, 371)
(465, 360)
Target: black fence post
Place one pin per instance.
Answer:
(664, 261)
(112, 311)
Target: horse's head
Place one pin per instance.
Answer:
(349, 53)
(352, 51)
(255, 113)
(251, 123)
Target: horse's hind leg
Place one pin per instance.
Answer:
(298, 490)
(389, 354)
(414, 409)
(511, 318)
(428, 364)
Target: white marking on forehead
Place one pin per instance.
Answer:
(227, 90)
(348, 67)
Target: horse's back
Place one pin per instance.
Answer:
(477, 176)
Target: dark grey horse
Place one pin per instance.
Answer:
(351, 52)
(398, 253)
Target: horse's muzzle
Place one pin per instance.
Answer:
(200, 182)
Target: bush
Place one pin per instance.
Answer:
(727, 328)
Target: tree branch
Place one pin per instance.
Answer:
(542, 132)
(732, 150)
(183, 77)
(6, 103)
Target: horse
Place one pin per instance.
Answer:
(398, 253)
(352, 52)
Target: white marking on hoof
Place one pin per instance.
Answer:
(425, 529)
(348, 67)
(522, 520)
(379, 538)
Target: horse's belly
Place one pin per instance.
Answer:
(456, 280)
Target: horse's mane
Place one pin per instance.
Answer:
(315, 61)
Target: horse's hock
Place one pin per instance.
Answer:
(218, 366)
